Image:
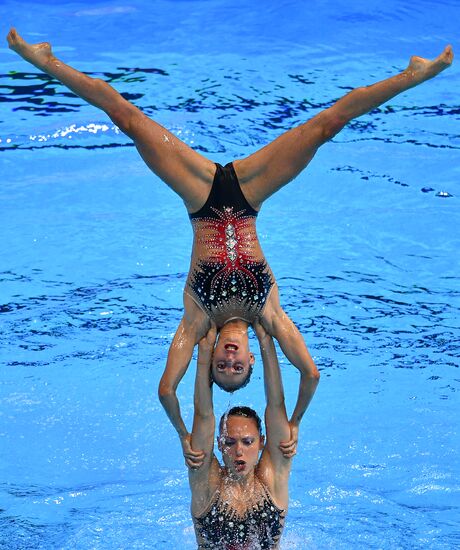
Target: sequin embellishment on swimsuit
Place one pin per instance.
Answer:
(230, 281)
(222, 529)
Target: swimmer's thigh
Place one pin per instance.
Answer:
(270, 168)
(187, 172)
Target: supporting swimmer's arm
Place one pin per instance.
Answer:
(203, 412)
(273, 385)
(204, 473)
(273, 465)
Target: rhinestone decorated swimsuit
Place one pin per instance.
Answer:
(229, 277)
(221, 528)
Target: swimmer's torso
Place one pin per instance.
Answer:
(229, 277)
(259, 526)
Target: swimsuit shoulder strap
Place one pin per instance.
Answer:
(268, 497)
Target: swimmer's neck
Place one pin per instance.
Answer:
(237, 483)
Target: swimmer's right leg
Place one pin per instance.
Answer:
(270, 168)
(187, 172)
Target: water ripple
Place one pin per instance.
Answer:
(412, 327)
(269, 108)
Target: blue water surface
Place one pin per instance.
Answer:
(95, 249)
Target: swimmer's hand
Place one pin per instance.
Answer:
(289, 448)
(193, 459)
(261, 333)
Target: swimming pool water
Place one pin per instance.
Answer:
(95, 249)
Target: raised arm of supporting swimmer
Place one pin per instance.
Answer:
(204, 474)
(273, 467)
(203, 413)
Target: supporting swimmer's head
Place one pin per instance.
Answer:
(239, 410)
(232, 361)
(240, 440)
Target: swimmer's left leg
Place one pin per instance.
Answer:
(187, 172)
(267, 170)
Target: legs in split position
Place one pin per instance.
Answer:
(262, 173)
(267, 170)
(187, 172)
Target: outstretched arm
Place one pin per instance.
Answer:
(179, 356)
(295, 350)
(279, 325)
(274, 468)
(276, 420)
(193, 326)
(203, 413)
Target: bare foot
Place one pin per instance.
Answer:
(422, 69)
(37, 54)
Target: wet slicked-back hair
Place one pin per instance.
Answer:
(247, 412)
(231, 390)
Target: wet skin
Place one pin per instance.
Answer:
(231, 358)
(240, 444)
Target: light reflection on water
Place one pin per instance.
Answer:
(92, 274)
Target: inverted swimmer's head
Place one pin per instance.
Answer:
(240, 440)
(232, 361)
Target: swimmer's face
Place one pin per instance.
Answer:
(240, 444)
(232, 361)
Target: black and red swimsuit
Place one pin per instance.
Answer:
(231, 279)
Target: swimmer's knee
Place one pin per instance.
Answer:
(124, 115)
(331, 123)
(121, 112)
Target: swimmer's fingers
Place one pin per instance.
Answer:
(261, 333)
(206, 344)
(288, 448)
(194, 455)
(193, 459)
(194, 462)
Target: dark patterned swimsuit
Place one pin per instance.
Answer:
(222, 529)
(230, 281)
